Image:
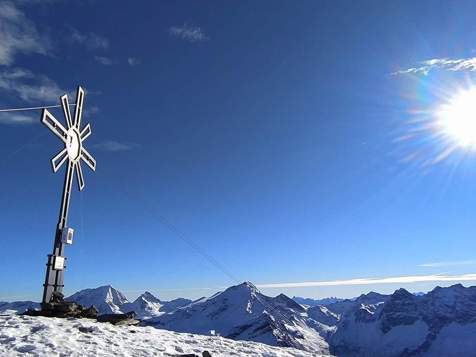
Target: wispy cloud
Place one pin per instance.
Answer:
(371, 281)
(18, 34)
(188, 33)
(103, 60)
(448, 264)
(90, 40)
(16, 119)
(88, 111)
(28, 86)
(112, 145)
(133, 61)
(455, 65)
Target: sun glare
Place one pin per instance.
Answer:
(456, 119)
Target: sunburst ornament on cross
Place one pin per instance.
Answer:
(73, 152)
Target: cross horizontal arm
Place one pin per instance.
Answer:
(59, 159)
(50, 121)
(79, 107)
(66, 111)
(88, 159)
(79, 175)
(86, 132)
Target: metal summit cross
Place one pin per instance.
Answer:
(74, 152)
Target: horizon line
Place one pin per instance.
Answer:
(369, 281)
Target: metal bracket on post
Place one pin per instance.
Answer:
(67, 235)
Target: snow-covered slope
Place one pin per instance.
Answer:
(147, 306)
(105, 298)
(144, 306)
(440, 323)
(172, 305)
(343, 306)
(242, 313)
(323, 315)
(44, 337)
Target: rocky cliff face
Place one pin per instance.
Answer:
(437, 323)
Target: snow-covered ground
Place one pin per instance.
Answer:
(41, 336)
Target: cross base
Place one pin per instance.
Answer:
(54, 279)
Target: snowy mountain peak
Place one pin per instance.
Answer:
(241, 312)
(149, 297)
(245, 287)
(242, 293)
(371, 298)
(287, 302)
(105, 298)
(145, 306)
(109, 300)
(401, 293)
(455, 292)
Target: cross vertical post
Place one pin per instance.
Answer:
(54, 279)
(73, 152)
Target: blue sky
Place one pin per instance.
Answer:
(275, 142)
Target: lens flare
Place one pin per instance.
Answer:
(456, 119)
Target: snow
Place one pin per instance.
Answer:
(41, 336)
(241, 312)
(111, 301)
(441, 322)
(371, 341)
(105, 298)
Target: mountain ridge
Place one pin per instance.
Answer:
(440, 322)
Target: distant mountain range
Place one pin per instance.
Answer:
(315, 302)
(439, 323)
(111, 301)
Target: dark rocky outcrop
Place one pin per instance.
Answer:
(119, 319)
(63, 309)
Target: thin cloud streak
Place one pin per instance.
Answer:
(188, 33)
(447, 264)
(371, 281)
(103, 60)
(115, 146)
(132, 61)
(454, 65)
(16, 119)
(90, 40)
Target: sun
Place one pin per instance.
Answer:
(456, 119)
